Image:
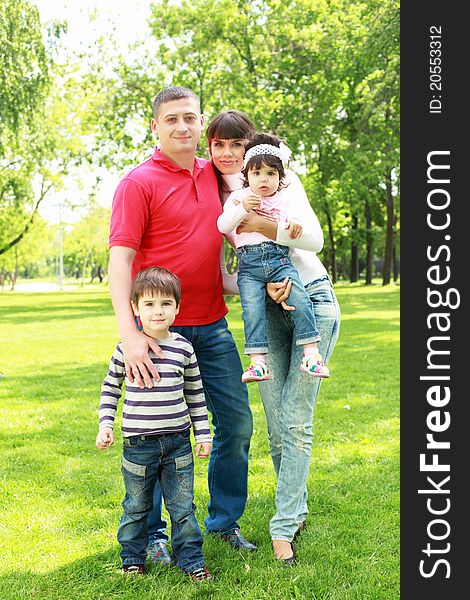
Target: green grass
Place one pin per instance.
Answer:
(60, 497)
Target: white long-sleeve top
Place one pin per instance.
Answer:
(303, 249)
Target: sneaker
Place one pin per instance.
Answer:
(133, 569)
(158, 553)
(200, 574)
(313, 365)
(257, 371)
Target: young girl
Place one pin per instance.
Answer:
(260, 260)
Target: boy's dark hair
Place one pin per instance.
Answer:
(228, 125)
(155, 279)
(169, 94)
(269, 160)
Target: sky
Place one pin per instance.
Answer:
(130, 18)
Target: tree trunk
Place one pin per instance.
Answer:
(21, 235)
(396, 260)
(396, 267)
(354, 266)
(369, 244)
(388, 257)
(331, 237)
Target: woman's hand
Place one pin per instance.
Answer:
(279, 292)
(294, 228)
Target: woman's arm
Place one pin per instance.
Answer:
(299, 208)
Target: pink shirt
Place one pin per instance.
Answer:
(169, 216)
(273, 208)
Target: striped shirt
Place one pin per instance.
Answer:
(171, 406)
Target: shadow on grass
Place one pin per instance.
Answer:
(50, 307)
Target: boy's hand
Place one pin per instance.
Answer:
(105, 438)
(251, 202)
(294, 228)
(203, 449)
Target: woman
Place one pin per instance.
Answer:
(289, 398)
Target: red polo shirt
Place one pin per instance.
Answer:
(169, 216)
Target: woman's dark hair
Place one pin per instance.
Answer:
(228, 125)
(269, 160)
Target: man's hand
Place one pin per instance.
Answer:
(203, 449)
(294, 228)
(105, 438)
(251, 202)
(279, 292)
(139, 365)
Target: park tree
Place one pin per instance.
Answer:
(44, 123)
(85, 246)
(30, 257)
(24, 84)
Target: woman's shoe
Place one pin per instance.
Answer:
(288, 561)
(300, 527)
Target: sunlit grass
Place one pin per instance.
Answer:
(60, 500)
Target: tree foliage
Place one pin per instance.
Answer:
(321, 74)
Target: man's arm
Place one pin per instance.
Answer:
(135, 344)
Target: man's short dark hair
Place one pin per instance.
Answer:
(175, 92)
(155, 280)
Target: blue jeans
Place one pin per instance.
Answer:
(289, 403)
(258, 265)
(167, 459)
(232, 422)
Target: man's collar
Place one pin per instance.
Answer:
(159, 157)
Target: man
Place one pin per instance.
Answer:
(165, 213)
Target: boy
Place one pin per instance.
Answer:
(156, 425)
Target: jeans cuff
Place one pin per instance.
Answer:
(193, 567)
(132, 561)
(260, 349)
(310, 339)
(158, 538)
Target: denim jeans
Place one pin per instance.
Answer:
(167, 459)
(289, 403)
(258, 265)
(232, 422)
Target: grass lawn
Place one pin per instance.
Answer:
(60, 497)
